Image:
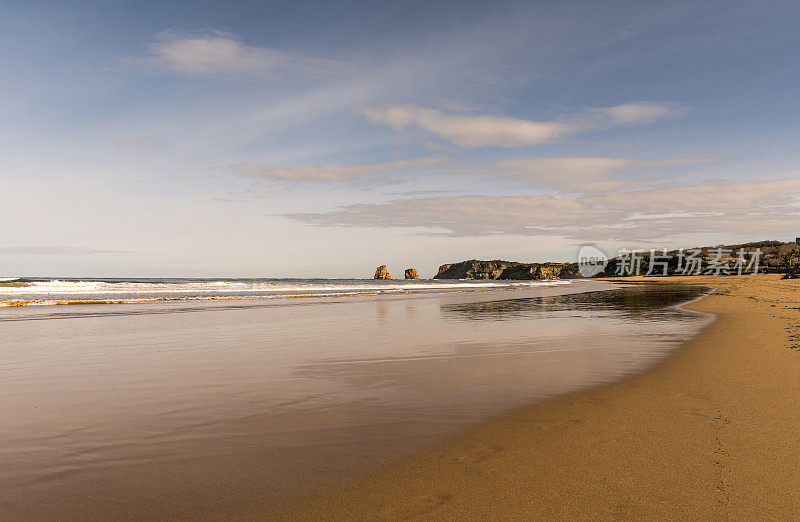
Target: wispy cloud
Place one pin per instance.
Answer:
(629, 114)
(576, 174)
(56, 250)
(334, 172)
(583, 174)
(732, 208)
(420, 192)
(500, 131)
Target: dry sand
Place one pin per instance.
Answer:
(713, 432)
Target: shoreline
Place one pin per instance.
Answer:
(259, 407)
(708, 432)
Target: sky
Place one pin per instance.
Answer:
(321, 139)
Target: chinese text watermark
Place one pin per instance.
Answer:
(716, 261)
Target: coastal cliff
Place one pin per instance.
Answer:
(473, 269)
(497, 269)
(522, 271)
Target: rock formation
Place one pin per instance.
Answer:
(496, 269)
(382, 273)
(534, 271)
(411, 273)
(473, 269)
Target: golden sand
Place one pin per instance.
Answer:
(712, 432)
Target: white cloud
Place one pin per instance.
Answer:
(334, 172)
(469, 131)
(500, 131)
(220, 53)
(633, 113)
(211, 53)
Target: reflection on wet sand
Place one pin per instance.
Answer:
(630, 302)
(224, 411)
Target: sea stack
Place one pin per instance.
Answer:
(411, 273)
(382, 273)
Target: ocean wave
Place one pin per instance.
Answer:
(21, 292)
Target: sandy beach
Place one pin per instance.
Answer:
(214, 409)
(711, 432)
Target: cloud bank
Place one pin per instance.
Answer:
(731, 208)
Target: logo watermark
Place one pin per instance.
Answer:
(591, 261)
(634, 262)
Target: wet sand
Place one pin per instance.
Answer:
(712, 432)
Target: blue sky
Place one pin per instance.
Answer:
(322, 139)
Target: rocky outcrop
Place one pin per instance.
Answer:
(382, 273)
(526, 271)
(411, 273)
(474, 269)
(507, 270)
(521, 271)
(570, 271)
